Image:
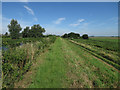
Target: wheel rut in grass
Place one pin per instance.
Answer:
(76, 77)
(101, 58)
(89, 70)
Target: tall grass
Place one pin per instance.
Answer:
(16, 61)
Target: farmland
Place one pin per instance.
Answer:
(73, 64)
(106, 49)
(59, 45)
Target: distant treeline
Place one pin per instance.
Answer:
(73, 35)
(35, 31)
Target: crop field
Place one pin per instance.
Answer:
(64, 63)
(104, 48)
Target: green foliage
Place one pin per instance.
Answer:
(17, 42)
(65, 35)
(25, 33)
(14, 29)
(85, 36)
(6, 34)
(71, 35)
(36, 31)
(16, 61)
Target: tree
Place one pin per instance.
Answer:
(25, 33)
(85, 36)
(36, 31)
(65, 35)
(14, 29)
(6, 34)
(73, 35)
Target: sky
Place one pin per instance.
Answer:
(92, 18)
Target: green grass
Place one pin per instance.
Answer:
(63, 65)
(98, 47)
(52, 72)
(69, 65)
(96, 70)
(111, 39)
(103, 42)
(16, 42)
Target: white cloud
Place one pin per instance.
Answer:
(81, 20)
(77, 23)
(59, 20)
(29, 10)
(74, 25)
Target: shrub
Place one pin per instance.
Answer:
(71, 35)
(16, 61)
(85, 36)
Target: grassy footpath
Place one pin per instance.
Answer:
(51, 73)
(68, 65)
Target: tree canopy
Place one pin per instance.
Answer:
(25, 33)
(71, 35)
(6, 34)
(14, 29)
(85, 36)
(35, 31)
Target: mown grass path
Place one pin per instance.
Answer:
(67, 65)
(51, 73)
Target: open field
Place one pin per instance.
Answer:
(63, 44)
(106, 49)
(68, 65)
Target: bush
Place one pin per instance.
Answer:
(16, 61)
(71, 35)
(85, 36)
